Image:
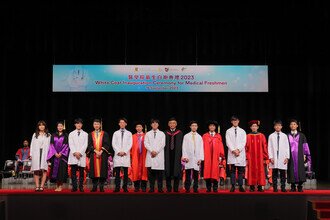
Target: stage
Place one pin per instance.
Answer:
(20, 204)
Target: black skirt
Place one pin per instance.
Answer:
(62, 173)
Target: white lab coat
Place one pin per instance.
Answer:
(236, 143)
(78, 144)
(284, 151)
(42, 142)
(155, 144)
(118, 146)
(192, 152)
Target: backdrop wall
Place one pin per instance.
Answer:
(288, 37)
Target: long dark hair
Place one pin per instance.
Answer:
(38, 131)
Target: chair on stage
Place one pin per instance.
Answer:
(311, 182)
(26, 170)
(8, 169)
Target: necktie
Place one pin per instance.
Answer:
(172, 141)
(278, 144)
(235, 133)
(122, 137)
(97, 134)
(155, 134)
(140, 143)
(194, 141)
(78, 133)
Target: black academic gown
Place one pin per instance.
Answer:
(173, 158)
(301, 162)
(104, 157)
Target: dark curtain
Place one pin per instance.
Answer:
(290, 37)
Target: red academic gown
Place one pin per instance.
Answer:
(19, 153)
(256, 154)
(138, 168)
(223, 169)
(213, 150)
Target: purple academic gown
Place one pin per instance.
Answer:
(298, 149)
(59, 166)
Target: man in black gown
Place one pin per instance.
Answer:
(173, 153)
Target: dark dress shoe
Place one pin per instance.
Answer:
(116, 190)
(232, 189)
(81, 190)
(74, 190)
(222, 182)
(160, 191)
(283, 190)
(252, 189)
(125, 190)
(144, 190)
(260, 189)
(275, 190)
(151, 190)
(241, 189)
(300, 189)
(196, 191)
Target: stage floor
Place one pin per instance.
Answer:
(28, 184)
(19, 201)
(23, 204)
(181, 193)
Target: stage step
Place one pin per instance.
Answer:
(319, 210)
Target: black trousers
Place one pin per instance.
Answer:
(240, 170)
(153, 175)
(74, 169)
(140, 184)
(117, 178)
(209, 184)
(169, 183)
(282, 176)
(187, 183)
(293, 185)
(98, 180)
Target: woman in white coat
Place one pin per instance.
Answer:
(38, 153)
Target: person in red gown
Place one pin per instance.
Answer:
(213, 156)
(139, 172)
(256, 156)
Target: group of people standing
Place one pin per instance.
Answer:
(148, 157)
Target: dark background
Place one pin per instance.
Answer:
(289, 36)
